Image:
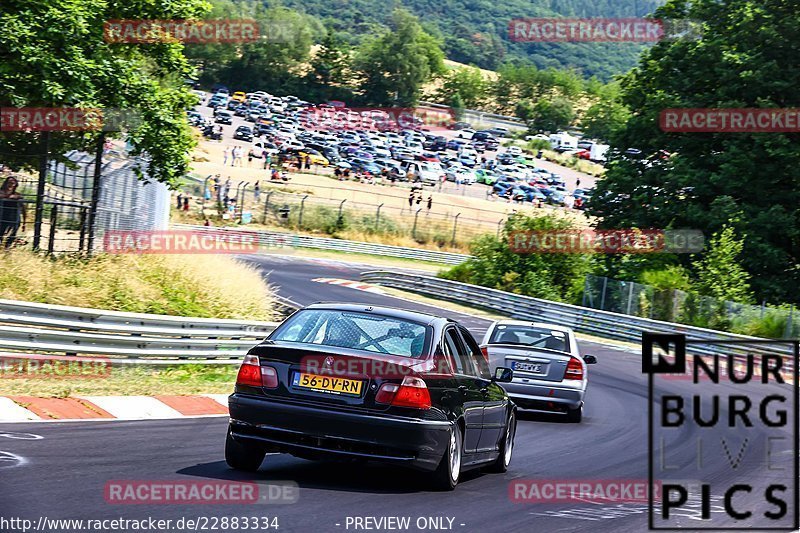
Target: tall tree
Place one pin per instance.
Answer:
(468, 82)
(53, 53)
(746, 58)
(396, 65)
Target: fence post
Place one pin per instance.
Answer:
(98, 163)
(241, 206)
(302, 208)
(499, 226)
(40, 190)
(414, 228)
(630, 298)
(341, 205)
(378, 217)
(266, 206)
(603, 296)
(455, 225)
(203, 203)
(53, 220)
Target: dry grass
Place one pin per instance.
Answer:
(190, 285)
(129, 381)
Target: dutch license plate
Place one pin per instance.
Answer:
(331, 385)
(534, 368)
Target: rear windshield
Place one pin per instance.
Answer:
(530, 336)
(358, 331)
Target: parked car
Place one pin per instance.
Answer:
(550, 374)
(223, 117)
(422, 397)
(243, 133)
(466, 133)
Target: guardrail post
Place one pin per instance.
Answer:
(378, 217)
(302, 208)
(414, 228)
(266, 206)
(339, 218)
(455, 226)
(499, 227)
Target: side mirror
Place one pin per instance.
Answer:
(590, 359)
(503, 374)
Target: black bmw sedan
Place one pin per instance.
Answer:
(380, 384)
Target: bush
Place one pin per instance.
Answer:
(554, 276)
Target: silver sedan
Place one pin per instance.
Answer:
(550, 375)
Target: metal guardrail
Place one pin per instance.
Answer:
(582, 319)
(44, 328)
(277, 239)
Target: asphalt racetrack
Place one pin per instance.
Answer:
(63, 473)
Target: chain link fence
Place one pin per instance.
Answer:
(671, 305)
(69, 205)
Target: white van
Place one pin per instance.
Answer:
(562, 142)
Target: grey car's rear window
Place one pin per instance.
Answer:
(354, 330)
(530, 336)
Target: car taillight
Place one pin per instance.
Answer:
(412, 392)
(485, 352)
(251, 373)
(574, 369)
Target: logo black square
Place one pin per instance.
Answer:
(669, 343)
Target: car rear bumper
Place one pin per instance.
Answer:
(543, 397)
(310, 431)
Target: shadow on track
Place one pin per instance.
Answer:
(352, 476)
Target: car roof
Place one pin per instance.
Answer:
(394, 312)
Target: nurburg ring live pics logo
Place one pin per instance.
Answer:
(725, 440)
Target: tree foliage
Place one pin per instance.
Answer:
(53, 54)
(746, 58)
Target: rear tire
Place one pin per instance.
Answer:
(575, 415)
(447, 474)
(500, 466)
(243, 456)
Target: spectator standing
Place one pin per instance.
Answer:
(308, 162)
(225, 154)
(577, 183)
(12, 211)
(410, 201)
(180, 200)
(257, 191)
(186, 203)
(430, 203)
(250, 156)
